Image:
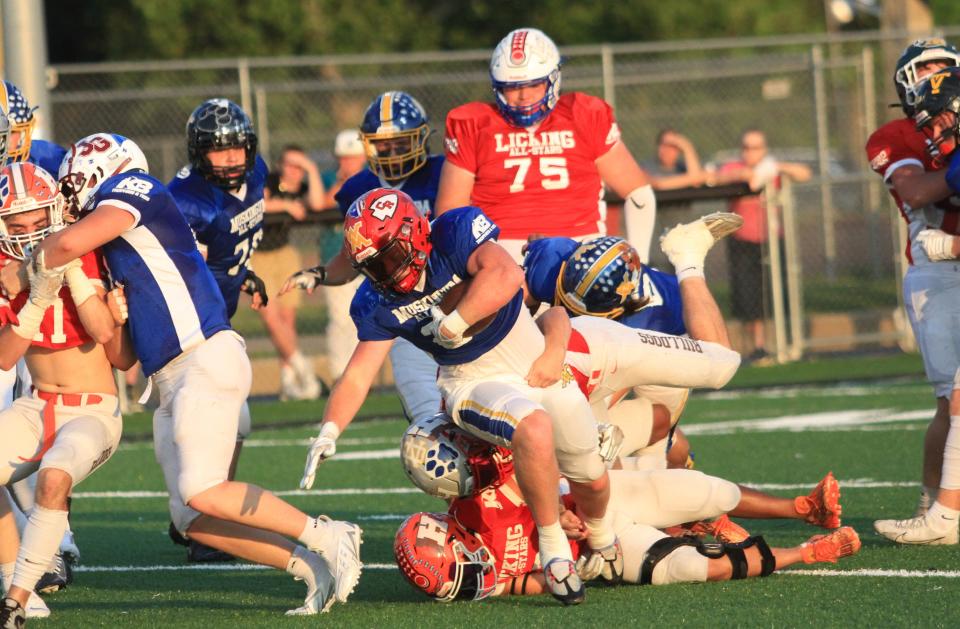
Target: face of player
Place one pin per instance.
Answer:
(924, 70)
(943, 127)
(393, 147)
(753, 148)
(525, 95)
(13, 141)
(25, 223)
(225, 158)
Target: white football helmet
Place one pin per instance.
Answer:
(91, 161)
(433, 459)
(25, 187)
(447, 462)
(526, 56)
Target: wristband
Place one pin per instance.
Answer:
(81, 288)
(454, 324)
(690, 271)
(30, 316)
(330, 430)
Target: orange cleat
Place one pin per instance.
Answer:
(822, 507)
(723, 529)
(830, 547)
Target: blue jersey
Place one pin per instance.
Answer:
(173, 300)
(47, 156)
(662, 313)
(230, 228)
(455, 235)
(421, 186)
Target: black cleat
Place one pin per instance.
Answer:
(176, 537)
(12, 615)
(57, 579)
(201, 553)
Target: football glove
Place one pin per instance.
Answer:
(45, 283)
(307, 279)
(937, 244)
(322, 447)
(441, 339)
(611, 441)
(253, 285)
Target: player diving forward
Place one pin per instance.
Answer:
(491, 381)
(69, 423)
(180, 332)
(612, 297)
(486, 545)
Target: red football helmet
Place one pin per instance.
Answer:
(444, 560)
(388, 239)
(26, 188)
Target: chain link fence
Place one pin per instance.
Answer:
(817, 98)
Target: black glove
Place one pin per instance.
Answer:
(253, 285)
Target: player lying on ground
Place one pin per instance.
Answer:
(938, 115)
(181, 335)
(69, 424)
(486, 544)
(603, 278)
(491, 354)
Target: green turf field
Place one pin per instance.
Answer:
(869, 432)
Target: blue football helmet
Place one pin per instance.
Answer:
(221, 124)
(526, 57)
(905, 77)
(394, 133)
(601, 279)
(22, 121)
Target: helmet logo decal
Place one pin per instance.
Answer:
(355, 239)
(625, 288)
(936, 80)
(517, 53)
(384, 207)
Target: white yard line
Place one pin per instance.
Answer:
(229, 567)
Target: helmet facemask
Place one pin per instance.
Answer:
(524, 116)
(17, 209)
(474, 577)
(396, 267)
(907, 77)
(395, 155)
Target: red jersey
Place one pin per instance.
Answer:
(61, 327)
(896, 144)
(503, 521)
(541, 180)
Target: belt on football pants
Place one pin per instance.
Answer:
(50, 417)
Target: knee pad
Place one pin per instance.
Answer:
(635, 419)
(583, 466)
(724, 495)
(243, 427)
(182, 516)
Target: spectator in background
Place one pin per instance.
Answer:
(292, 192)
(677, 164)
(757, 168)
(351, 159)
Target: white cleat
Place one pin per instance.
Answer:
(320, 598)
(340, 549)
(917, 531)
(69, 549)
(722, 224)
(36, 608)
(563, 582)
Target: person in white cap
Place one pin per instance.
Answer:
(340, 333)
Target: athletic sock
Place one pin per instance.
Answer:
(600, 532)
(305, 565)
(39, 544)
(553, 543)
(941, 518)
(314, 532)
(6, 571)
